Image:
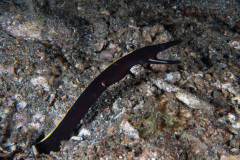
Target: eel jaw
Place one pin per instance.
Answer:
(158, 61)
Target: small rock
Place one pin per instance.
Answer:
(79, 137)
(235, 44)
(22, 104)
(236, 125)
(31, 27)
(185, 113)
(233, 130)
(137, 70)
(164, 37)
(35, 151)
(234, 150)
(173, 77)
(207, 77)
(146, 34)
(10, 102)
(129, 130)
(196, 141)
(80, 66)
(99, 45)
(159, 67)
(111, 130)
(41, 81)
(231, 118)
(84, 132)
(192, 101)
(105, 55)
(38, 117)
(35, 126)
(230, 157)
(76, 138)
(52, 98)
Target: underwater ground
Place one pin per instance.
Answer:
(51, 50)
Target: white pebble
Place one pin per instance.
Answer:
(231, 118)
(129, 130)
(84, 132)
(22, 104)
(236, 125)
(137, 70)
(41, 81)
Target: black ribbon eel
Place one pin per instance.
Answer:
(112, 74)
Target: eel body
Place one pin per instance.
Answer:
(112, 74)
